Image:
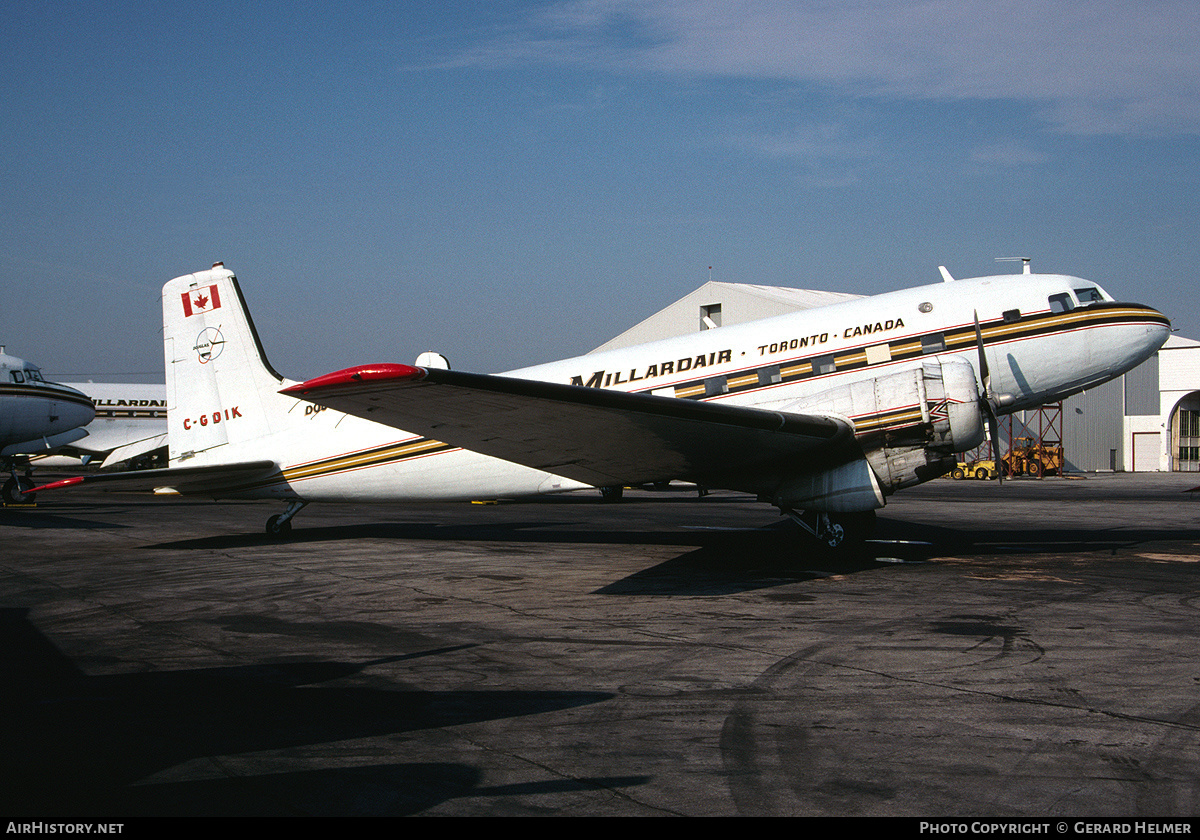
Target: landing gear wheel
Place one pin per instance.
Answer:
(834, 536)
(846, 532)
(277, 526)
(14, 491)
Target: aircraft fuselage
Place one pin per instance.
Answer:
(1045, 337)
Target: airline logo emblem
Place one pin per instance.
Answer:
(200, 300)
(209, 344)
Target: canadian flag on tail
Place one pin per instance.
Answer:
(200, 300)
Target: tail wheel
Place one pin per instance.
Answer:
(277, 526)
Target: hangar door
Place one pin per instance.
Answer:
(1185, 434)
(1146, 446)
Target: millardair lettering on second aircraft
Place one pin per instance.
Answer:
(604, 379)
(111, 403)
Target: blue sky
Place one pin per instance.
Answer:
(512, 182)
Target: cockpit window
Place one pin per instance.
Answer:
(34, 375)
(1061, 303)
(17, 376)
(1088, 295)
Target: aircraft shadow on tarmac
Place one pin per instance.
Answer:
(76, 745)
(727, 561)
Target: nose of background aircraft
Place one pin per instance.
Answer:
(73, 413)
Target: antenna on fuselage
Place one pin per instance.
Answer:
(1024, 262)
(946, 278)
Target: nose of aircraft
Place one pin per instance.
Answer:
(1151, 329)
(1159, 331)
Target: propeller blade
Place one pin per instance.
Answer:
(994, 437)
(984, 374)
(986, 400)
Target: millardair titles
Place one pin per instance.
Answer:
(604, 379)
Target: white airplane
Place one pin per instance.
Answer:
(36, 416)
(822, 413)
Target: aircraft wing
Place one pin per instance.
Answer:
(211, 478)
(597, 436)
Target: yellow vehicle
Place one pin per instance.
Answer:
(982, 470)
(1033, 459)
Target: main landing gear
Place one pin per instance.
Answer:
(15, 490)
(280, 525)
(841, 532)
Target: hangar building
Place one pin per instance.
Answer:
(1147, 420)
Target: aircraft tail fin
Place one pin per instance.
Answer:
(221, 390)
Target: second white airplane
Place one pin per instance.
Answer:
(822, 413)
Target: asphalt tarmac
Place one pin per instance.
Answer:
(1019, 651)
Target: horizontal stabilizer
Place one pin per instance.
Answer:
(594, 435)
(213, 479)
(135, 449)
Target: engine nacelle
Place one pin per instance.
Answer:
(910, 424)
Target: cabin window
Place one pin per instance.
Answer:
(1061, 303)
(933, 343)
(1089, 295)
(715, 386)
(1012, 316)
(768, 375)
(878, 354)
(823, 364)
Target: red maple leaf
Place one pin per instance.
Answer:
(201, 301)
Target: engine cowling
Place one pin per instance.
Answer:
(909, 424)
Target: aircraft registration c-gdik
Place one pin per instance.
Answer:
(822, 413)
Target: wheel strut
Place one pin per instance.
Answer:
(281, 523)
(819, 524)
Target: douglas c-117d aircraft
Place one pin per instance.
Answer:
(822, 413)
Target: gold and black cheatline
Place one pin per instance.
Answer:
(392, 453)
(912, 347)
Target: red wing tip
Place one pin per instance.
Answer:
(354, 376)
(55, 485)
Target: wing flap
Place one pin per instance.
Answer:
(592, 435)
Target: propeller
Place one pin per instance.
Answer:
(987, 402)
